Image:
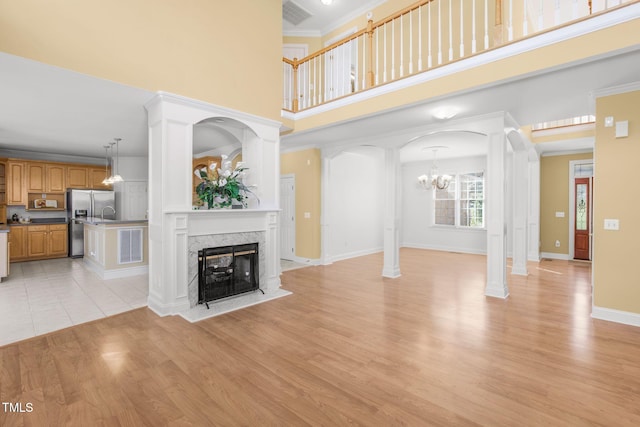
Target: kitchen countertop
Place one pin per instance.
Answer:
(94, 220)
(39, 221)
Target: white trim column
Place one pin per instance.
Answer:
(520, 210)
(325, 256)
(391, 266)
(496, 218)
(533, 218)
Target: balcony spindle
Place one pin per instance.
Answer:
(295, 85)
(525, 20)
(486, 24)
(450, 30)
(377, 69)
(420, 38)
(401, 45)
(473, 27)
(384, 79)
(510, 27)
(461, 29)
(393, 49)
(429, 56)
(439, 33)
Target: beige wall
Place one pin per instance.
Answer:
(306, 166)
(203, 49)
(554, 197)
(616, 283)
(314, 44)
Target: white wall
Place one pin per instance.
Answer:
(134, 168)
(356, 201)
(418, 230)
(131, 169)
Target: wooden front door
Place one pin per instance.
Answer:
(582, 224)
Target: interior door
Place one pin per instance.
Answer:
(287, 217)
(582, 188)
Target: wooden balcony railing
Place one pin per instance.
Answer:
(421, 37)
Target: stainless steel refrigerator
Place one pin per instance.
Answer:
(82, 204)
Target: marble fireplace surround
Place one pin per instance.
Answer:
(197, 229)
(197, 243)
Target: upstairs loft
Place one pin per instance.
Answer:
(426, 50)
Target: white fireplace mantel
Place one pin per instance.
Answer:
(172, 223)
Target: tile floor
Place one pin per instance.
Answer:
(44, 296)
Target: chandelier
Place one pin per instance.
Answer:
(434, 179)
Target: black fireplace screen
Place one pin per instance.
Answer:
(227, 270)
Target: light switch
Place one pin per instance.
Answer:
(559, 214)
(608, 122)
(307, 215)
(611, 224)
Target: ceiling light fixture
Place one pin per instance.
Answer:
(107, 178)
(116, 177)
(433, 179)
(445, 113)
(326, 2)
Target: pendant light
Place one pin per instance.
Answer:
(107, 178)
(116, 177)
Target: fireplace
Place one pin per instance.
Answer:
(226, 271)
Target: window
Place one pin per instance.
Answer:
(462, 203)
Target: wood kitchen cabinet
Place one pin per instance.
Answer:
(46, 241)
(16, 194)
(46, 177)
(17, 243)
(36, 177)
(96, 176)
(77, 177)
(56, 179)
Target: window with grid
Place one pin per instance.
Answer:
(462, 203)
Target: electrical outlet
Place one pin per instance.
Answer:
(557, 243)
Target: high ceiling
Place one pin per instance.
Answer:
(51, 110)
(323, 18)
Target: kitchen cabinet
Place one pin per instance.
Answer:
(45, 177)
(17, 243)
(3, 184)
(55, 181)
(36, 176)
(96, 176)
(77, 177)
(46, 241)
(16, 194)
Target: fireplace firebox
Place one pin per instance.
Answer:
(227, 271)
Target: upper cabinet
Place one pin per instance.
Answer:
(35, 177)
(96, 176)
(77, 177)
(46, 177)
(27, 180)
(56, 179)
(16, 194)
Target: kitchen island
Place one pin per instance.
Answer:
(116, 248)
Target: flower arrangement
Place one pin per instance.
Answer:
(222, 187)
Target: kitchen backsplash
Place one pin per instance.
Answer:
(22, 212)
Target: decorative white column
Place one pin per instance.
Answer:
(495, 215)
(520, 211)
(533, 218)
(391, 266)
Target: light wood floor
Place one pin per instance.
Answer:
(347, 348)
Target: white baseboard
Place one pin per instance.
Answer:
(617, 316)
(552, 255)
(354, 254)
(117, 273)
(308, 261)
(445, 248)
(166, 309)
